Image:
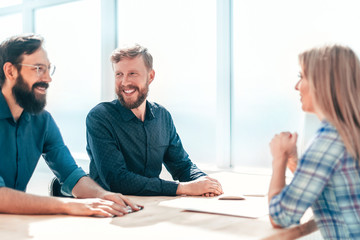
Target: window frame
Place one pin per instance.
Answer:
(109, 42)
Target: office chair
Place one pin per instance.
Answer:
(55, 188)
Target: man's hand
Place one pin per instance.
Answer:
(93, 207)
(205, 186)
(88, 188)
(17, 202)
(123, 201)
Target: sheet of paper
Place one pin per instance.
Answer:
(251, 207)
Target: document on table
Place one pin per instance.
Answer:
(250, 207)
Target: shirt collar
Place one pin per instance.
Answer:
(150, 110)
(5, 110)
(127, 114)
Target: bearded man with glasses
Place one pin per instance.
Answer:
(28, 132)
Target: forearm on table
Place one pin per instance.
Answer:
(17, 202)
(145, 186)
(87, 188)
(182, 169)
(130, 183)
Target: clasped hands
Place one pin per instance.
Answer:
(203, 186)
(284, 151)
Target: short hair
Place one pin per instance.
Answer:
(13, 49)
(333, 72)
(131, 53)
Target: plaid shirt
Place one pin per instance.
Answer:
(327, 179)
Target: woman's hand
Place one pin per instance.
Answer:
(283, 148)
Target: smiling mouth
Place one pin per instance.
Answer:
(41, 89)
(129, 91)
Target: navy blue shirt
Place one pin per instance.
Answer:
(23, 142)
(126, 154)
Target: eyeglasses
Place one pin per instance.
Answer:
(41, 68)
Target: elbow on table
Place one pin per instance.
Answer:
(283, 221)
(274, 224)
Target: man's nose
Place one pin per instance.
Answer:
(125, 80)
(46, 77)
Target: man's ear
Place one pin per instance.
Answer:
(152, 75)
(10, 71)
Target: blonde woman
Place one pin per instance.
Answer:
(327, 176)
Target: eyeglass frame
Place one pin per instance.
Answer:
(38, 66)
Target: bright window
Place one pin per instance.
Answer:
(181, 36)
(8, 3)
(7, 29)
(73, 45)
(268, 36)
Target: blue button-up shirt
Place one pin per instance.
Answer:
(327, 178)
(127, 154)
(23, 142)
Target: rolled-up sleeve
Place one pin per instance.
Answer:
(59, 159)
(2, 182)
(71, 181)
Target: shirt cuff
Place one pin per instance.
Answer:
(71, 181)
(169, 188)
(198, 175)
(195, 172)
(2, 182)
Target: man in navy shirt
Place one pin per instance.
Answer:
(130, 138)
(28, 131)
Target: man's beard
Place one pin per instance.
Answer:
(140, 99)
(26, 97)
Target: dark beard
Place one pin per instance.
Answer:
(131, 105)
(26, 98)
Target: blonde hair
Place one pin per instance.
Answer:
(131, 53)
(333, 73)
